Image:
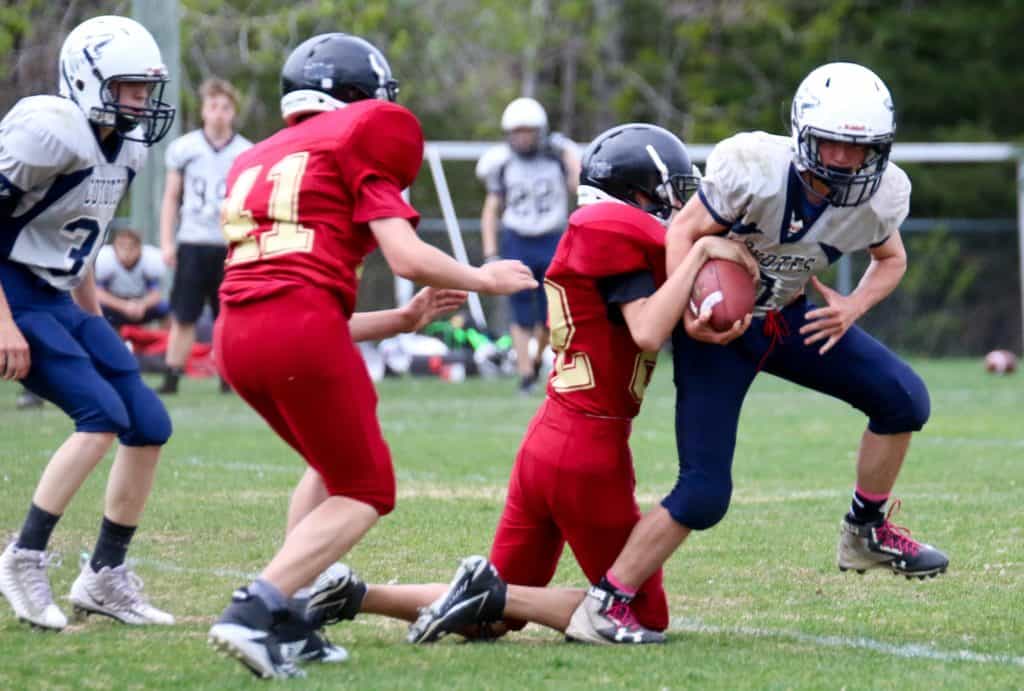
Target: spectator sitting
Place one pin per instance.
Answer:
(128, 276)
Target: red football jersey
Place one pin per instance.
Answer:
(299, 203)
(599, 370)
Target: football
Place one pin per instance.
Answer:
(1001, 362)
(726, 289)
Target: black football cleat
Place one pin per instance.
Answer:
(336, 596)
(882, 544)
(245, 631)
(476, 596)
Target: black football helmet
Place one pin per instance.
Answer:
(329, 70)
(638, 157)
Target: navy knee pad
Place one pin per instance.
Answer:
(908, 405)
(150, 423)
(697, 501)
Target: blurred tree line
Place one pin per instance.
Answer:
(702, 68)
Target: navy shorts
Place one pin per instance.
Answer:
(530, 307)
(80, 364)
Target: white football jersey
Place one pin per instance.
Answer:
(204, 171)
(66, 187)
(129, 283)
(534, 190)
(752, 186)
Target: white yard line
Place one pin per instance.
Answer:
(917, 651)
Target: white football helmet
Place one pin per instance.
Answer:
(524, 112)
(844, 102)
(110, 49)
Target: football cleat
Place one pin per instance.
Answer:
(23, 581)
(604, 618)
(116, 593)
(476, 596)
(245, 632)
(301, 643)
(337, 595)
(882, 544)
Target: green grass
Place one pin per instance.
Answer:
(758, 601)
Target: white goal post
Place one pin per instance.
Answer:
(439, 151)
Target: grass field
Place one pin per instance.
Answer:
(757, 602)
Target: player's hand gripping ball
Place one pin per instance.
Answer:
(724, 288)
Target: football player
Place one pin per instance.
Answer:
(304, 207)
(65, 164)
(573, 480)
(530, 179)
(798, 203)
(190, 237)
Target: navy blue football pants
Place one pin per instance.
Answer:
(81, 365)
(712, 381)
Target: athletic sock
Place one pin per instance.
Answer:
(866, 507)
(269, 594)
(112, 545)
(37, 528)
(616, 587)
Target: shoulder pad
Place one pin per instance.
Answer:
(611, 238)
(493, 158)
(46, 131)
(387, 139)
(891, 203)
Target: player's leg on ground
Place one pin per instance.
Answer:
(864, 373)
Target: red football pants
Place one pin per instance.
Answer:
(292, 359)
(572, 482)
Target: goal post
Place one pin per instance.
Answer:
(940, 153)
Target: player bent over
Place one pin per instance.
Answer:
(799, 204)
(611, 309)
(65, 164)
(304, 207)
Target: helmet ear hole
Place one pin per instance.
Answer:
(80, 85)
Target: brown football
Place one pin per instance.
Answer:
(726, 289)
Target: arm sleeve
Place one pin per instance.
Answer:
(624, 288)
(379, 198)
(725, 189)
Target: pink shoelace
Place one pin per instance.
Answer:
(622, 613)
(896, 536)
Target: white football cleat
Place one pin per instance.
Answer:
(23, 581)
(115, 593)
